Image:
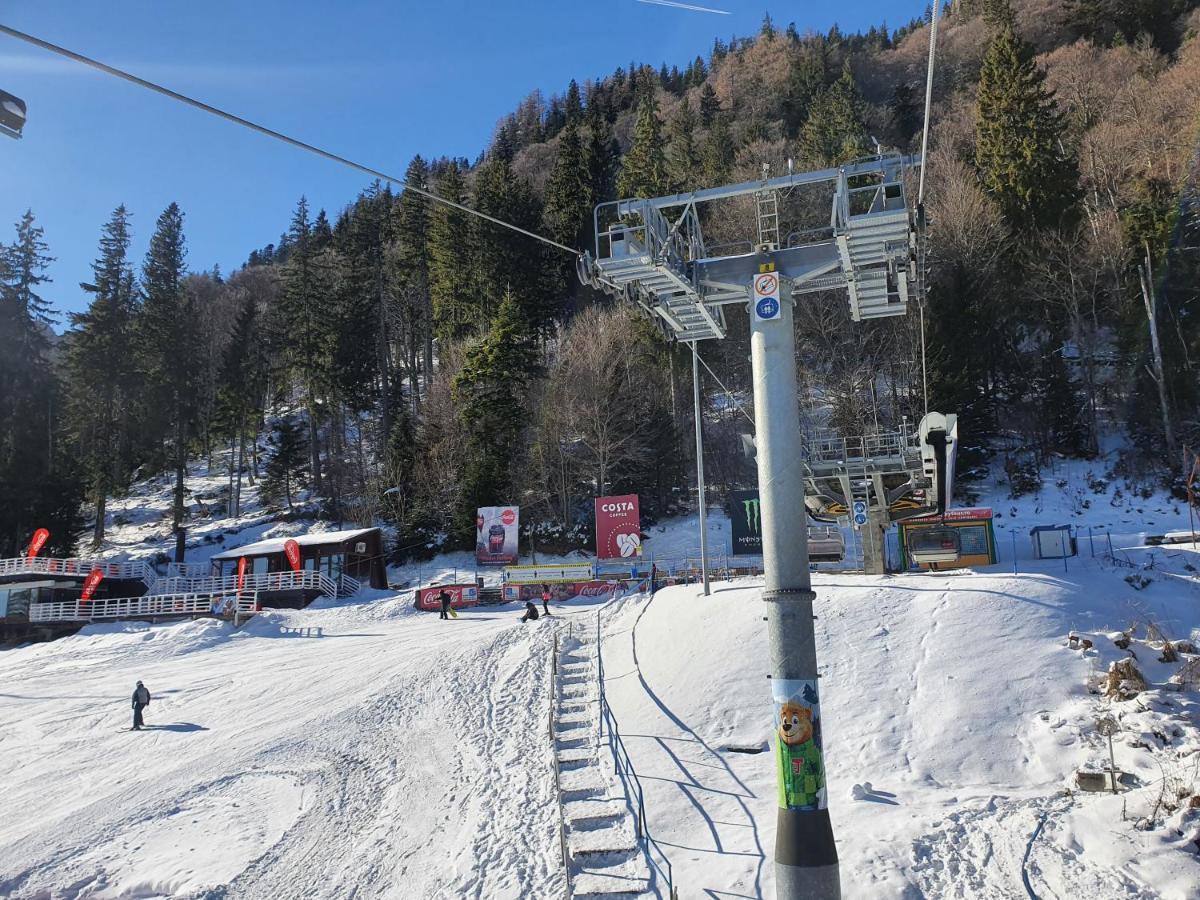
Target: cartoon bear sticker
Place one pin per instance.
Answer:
(798, 741)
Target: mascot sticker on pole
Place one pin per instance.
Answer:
(39, 541)
(90, 584)
(798, 745)
(292, 551)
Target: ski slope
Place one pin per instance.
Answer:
(954, 696)
(353, 751)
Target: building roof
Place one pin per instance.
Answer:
(275, 545)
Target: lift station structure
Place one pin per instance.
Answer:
(652, 252)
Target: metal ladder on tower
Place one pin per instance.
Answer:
(767, 209)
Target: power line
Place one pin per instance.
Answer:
(270, 132)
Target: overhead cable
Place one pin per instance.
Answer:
(270, 132)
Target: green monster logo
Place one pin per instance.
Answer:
(752, 514)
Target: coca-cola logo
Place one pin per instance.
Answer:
(508, 517)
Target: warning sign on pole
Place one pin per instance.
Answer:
(766, 297)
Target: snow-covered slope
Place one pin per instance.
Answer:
(955, 696)
(363, 750)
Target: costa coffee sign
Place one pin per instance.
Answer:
(618, 527)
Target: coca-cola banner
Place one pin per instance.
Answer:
(618, 527)
(461, 595)
(292, 551)
(496, 531)
(39, 541)
(91, 583)
(571, 590)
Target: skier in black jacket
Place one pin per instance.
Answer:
(141, 699)
(531, 613)
(444, 596)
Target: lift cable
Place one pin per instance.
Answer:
(728, 392)
(279, 136)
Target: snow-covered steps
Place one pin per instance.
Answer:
(606, 858)
(611, 875)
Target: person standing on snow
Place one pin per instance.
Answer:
(141, 699)
(444, 597)
(546, 598)
(531, 613)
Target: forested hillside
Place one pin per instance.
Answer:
(404, 361)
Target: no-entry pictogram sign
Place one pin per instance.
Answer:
(766, 297)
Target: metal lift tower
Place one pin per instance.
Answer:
(652, 253)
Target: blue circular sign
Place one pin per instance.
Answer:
(767, 308)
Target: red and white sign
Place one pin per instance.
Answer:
(974, 514)
(241, 573)
(461, 595)
(39, 541)
(567, 591)
(292, 551)
(618, 527)
(496, 533)
(90, 583)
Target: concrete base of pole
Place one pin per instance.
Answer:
(874, 542)
(806, 862)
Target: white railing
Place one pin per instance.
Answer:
(348, 586)
(189, 604)
(188, 570)
(263, 581)
(48, 565)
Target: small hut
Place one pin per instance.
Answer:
(357, 553)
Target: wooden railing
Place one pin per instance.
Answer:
(80, 568)
(189, 604)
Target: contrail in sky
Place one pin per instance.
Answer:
(719, 12)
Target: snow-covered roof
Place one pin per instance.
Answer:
(275, 545)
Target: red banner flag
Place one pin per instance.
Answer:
(292, 551)
(90, 583)
(241, 573)
(39, 541)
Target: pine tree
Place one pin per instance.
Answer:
(905, 112)
(601, 154)
(167, 343)
(806, 80)
(1019, 132)
(490, 395)
(241, 382)
(573, 105)
(300, 324)
(451, 282)
(37, 479)
(710, 105)
(285, 468)
(644, 173)
(569, 198)
(100, 351)
(835, 132)
(717, 155)
(683, 159)
(411, 268)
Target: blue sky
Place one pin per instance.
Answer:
(373, 80)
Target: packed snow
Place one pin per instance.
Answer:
(363, 748)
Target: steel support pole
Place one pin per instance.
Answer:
(806, 862)
(700, 468)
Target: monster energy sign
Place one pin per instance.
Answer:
(745, 515)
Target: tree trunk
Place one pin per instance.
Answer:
(1157, 373)
(314, 447)
(101, 492)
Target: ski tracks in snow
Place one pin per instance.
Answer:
(990, 852)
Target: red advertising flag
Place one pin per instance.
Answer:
(292, 551)
(39, 541)
(90, 583)
(618, 527)
(241, 573)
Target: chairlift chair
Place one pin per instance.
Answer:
(12, 114)
(825, 544)
(934, 545)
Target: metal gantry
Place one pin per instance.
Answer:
(652, 252)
